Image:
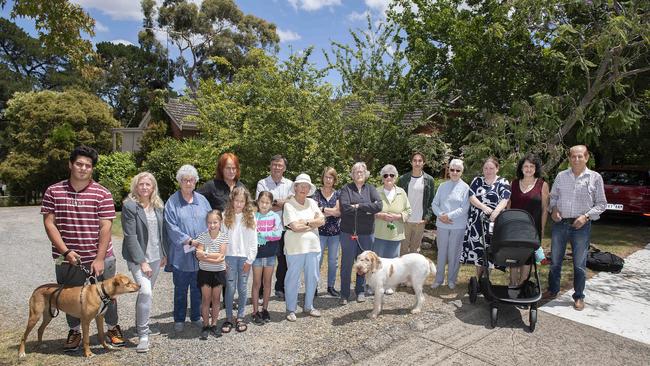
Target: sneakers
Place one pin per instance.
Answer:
(143, 345)
(291, 317)
(435, 285)
(361, 297)
(266, 316)
(198, 323)
(343, 301)
(451, 286)
(73, 341)
(153, 331)
(257, 318)
(314, 312)
(179, 326)
(389, 291)
(215, 331)
(333, 292)
(115, 336)
(370, 291)
(205, 332)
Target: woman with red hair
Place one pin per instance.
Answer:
(226, 178)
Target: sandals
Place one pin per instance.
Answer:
(241, 326)
(226, 327)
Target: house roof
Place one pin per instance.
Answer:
(179, 111)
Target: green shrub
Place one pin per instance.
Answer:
(170, 154)
(114, 171)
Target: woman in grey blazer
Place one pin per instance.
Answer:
(144, 246)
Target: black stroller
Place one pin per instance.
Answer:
(514, 242)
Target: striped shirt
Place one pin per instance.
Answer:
(212, 246)
(77, 216)
(574, 196)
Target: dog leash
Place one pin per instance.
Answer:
(90, 279)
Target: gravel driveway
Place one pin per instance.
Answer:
(333, 338)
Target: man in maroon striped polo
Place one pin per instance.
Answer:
(78, 214)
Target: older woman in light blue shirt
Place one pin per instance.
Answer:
(185, 214)
(451, 207)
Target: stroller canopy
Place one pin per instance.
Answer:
(515, 228)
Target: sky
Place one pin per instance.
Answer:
(300, 23)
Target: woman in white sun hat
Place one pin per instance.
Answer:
(302, 245)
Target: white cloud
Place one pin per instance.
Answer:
(100, 27)
(312, 5)
(116, 9)
(379, 6)
(354, 16)
(287, 35)
(122, 41)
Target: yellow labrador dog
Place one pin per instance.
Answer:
(384, 273)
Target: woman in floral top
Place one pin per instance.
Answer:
(327, 198)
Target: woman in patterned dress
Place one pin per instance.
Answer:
(488, 195)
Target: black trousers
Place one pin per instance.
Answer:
(281, 269)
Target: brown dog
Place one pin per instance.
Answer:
(83, 302)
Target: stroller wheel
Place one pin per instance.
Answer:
(473, 289)
(532, 318)
(493, 316)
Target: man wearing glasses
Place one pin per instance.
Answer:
(419, 187)
(78, 214)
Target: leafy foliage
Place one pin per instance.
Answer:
(532, 76)
(114, 171)
(170, 154)
(213, 39)
(60, 25)
(43, 128)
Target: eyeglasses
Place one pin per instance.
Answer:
(188, 181)
(455, 170)
(389, 175)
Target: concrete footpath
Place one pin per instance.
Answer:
(617, 303)
(612, 330)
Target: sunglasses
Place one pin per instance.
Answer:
(389, 175)
(454, 170)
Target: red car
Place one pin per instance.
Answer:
(627, 190)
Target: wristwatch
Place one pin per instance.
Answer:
(587, 216)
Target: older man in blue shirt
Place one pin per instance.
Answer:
(185, 214)
(577, 198)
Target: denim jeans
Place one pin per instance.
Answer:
(561, 233)
(296, 263)
(145, 295)
(332, 245)
(183, 280)
(236, 279)
(349, 252)
(386, 248)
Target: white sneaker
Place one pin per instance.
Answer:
(343, 301)
(361, 297)
(291, 317)
(314, 312)
(143, 345)
(435, 285)
(389, 291)
(370, 292)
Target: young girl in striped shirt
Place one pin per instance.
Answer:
(211, 253)
(269, 231)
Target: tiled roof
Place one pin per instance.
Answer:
(178, 110)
